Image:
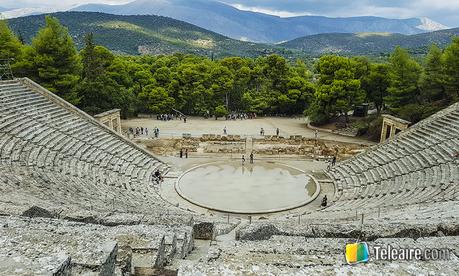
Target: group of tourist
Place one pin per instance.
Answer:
(138, 131)
(165, 117)
(182, 152)
(242, 116)
(170, 117)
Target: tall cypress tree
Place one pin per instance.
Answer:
(10, 46)
(56, 64)
(90, 66)
(451, 67)
(376, 84)
(432, 81)
(98, 90)
(404, 76)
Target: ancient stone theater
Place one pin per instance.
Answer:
(78, 197)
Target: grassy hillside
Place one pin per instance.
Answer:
(369, 43)
(225, 19)
(150, 34)
(143, 34)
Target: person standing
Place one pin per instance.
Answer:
(243, 159)
(324, 201)
(181, 153)
(224, 130)
(334, 161)
(184, 119)
(251, 157)
(329, 166)
(186, 153)
(277, 132)
(158, 176)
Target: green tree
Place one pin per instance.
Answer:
(451, 69)
(276, 71)
(404, 76)
(91, 68)
(220, 111)
(433, 77)
(10, 46)
(222, 84)
(156, 100)
(53, 60)
(240, 78)
(375, 84)
(300, 94)
(338, 88)
(98, 91)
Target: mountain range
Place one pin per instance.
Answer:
(371, 44)
(150, 34)
(258, 27)
(143, 34)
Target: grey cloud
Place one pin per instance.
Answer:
(443, 11)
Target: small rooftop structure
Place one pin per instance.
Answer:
(391, 126)
(111, 118)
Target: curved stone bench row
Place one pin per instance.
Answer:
(21, 189)
(416, 139)
(81, 163)
(437, 183)
(417, 166)
(14, 149)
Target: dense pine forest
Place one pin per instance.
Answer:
(95, 79)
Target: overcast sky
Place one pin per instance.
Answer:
(443, 11)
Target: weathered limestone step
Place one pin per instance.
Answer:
(90, 248)
(38, 249)
(285, 255)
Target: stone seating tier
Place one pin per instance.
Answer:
(418, 165)
(52, 152)
(48, 247)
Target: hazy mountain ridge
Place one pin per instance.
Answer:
(150, 34)
(369, 43)
(14, 13)
(238, 24)
(141, 34)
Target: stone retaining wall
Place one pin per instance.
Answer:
(204, 230)
(268, 145)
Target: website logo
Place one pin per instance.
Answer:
(357, 253)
